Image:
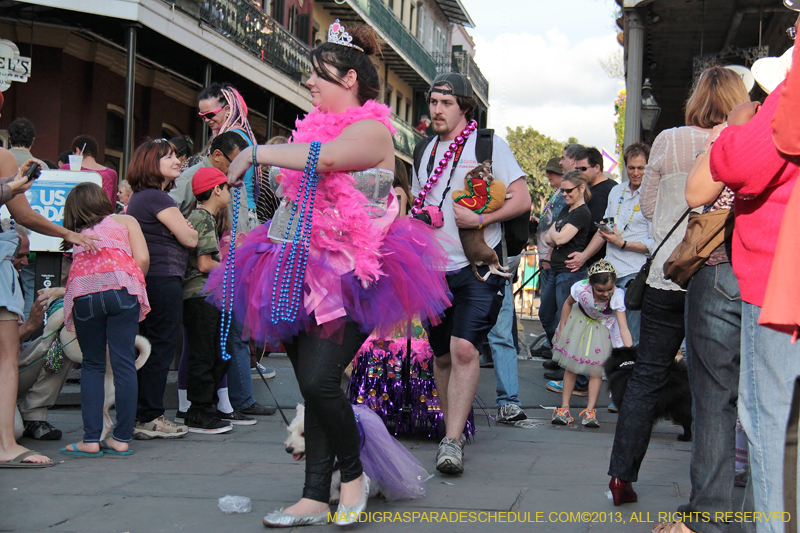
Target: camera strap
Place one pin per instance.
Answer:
(432, 160)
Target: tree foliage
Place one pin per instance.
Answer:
(532, 150)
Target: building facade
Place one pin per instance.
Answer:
(93, 60)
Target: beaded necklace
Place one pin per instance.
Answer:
(230, 263)
(438, 171)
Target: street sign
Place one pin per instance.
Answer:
(13, 67)
(47, 197)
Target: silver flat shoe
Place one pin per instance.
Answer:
(346, 515)
(281, 519)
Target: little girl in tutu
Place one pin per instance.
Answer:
(592, 323)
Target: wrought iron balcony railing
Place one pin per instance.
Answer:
(393, 27)
(463, 63)
(406, 137)
(262, 36)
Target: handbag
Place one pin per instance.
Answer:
(634, 292)
(704, 233)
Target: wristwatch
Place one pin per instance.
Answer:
(624, 244)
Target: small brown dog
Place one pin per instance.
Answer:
(481, 191)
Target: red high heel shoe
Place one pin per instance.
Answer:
(621, 491)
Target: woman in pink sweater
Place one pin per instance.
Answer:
(745, 158)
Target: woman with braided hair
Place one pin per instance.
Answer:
(223, 109)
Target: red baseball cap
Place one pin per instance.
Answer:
(206, 179)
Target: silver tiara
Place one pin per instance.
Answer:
(337, 35)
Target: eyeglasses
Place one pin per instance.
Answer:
(567, 191)
(581, 169)
(208, 115)
(791, 32)
(226, 156)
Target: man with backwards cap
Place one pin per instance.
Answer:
(475, 304)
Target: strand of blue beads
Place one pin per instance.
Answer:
(230, 269)
(290, 271)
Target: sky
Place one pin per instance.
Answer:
(541, 58)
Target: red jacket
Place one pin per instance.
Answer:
(746, 160)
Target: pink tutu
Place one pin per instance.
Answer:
(412, 284)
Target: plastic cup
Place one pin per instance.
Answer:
(75, 162)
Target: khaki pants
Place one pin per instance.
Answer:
(38, 388)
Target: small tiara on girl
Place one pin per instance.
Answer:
(337, 35)
(602, 266)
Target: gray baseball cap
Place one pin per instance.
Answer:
(459, 83)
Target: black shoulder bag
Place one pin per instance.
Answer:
(634, 292)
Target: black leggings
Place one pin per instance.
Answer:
(330, 427)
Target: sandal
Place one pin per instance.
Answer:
(105, 448)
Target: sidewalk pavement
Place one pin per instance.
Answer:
(174, 485)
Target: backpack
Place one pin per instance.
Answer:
(515, 230)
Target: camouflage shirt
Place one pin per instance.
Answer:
(207, 244)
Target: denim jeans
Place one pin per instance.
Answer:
(161, 326)
(769, 365)
(634, 317)
(240, 381)
(713, 331)
(504, 354)
(547, 305)
(108, 317)
(662, 335)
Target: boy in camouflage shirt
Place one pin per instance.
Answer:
(202, 319)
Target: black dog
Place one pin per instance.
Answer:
(674, 399)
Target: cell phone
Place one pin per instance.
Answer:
(603, 227)
(33, 171)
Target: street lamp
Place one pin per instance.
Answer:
(650, 108)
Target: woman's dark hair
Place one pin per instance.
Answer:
(63, 158)
(578, 178)
(86, 205)
(602, 278)
(87, 143)
(144, 172)
(332, 61)
(214, 91)
(183, 145)
(401, 179)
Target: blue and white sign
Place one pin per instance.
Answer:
(47, 197)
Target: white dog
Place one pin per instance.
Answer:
(73, 352)
(396, 474)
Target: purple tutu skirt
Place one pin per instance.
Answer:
(412, 284)
(399, 474)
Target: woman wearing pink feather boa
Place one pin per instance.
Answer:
(336, 262)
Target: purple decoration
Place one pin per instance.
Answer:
(428, 187)
(423, 194)
(460, 140)
(453, 147)
(438, 171)
(466, 132)
(448, 154)
(443, 162)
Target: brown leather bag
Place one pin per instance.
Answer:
(704, 233)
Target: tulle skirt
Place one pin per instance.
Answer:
(412, 285)
(399, 474)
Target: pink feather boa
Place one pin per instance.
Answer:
(341, 224)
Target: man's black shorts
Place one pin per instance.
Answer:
(474, 311)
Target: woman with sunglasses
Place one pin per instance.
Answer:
(569, 233)
(335, 262)
(223, 109)
(152, 172)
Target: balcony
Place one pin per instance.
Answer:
(400, 37)
(461, 61)
(406, 137)
(258, 34)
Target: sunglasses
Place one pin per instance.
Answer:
(208, 115)
(567, 191)
(581, 169)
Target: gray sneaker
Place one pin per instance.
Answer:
(589, 418)
(509, 413)
(158, 428)
(561, 416)
(449, 457)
